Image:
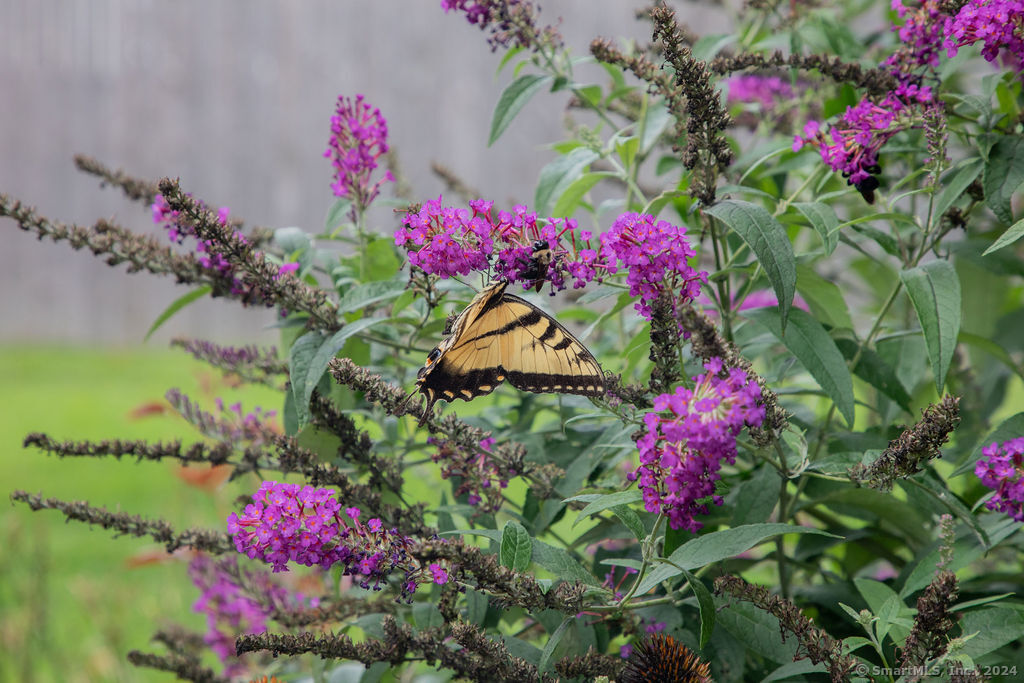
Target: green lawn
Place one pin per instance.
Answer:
(71, 607)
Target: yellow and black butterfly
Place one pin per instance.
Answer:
(502, 337)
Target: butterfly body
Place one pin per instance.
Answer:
(501, 337)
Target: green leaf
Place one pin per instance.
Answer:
(706, 605)
(337, 214)
(823, 297)
(318, 363)
(603, 502)
(573, 194)
(360, 296)
(1012, 234)
(814, 348)
(756, 629)
(176, 305)
(873, 369)
(631, 520)
(756, 497)
(627, 151)
(556, 178)
(956, 181)
(1010, 428)
(300, 357)
(994, 627)
(292, 239)
(934, 289)
(512, 99)
(719, 545)
(1004, 174)
(516, 546)
(549, 647)
(824, 220)
(561, 564)
(656, 118)
(768, 240)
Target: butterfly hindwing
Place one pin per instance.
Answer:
(500, 336)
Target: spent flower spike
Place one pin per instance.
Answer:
(1001, 468)
(689, 434)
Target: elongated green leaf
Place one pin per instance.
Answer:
(814, 348)
(994, 627)
(360, 296)
(756, 629)
(337, 214)
(1004, 174)
(631, 520)
(176, 305)
(719, 545)
(956, 181)
(556, 178)
(992, 348)
(516, 546)
(1010, 428)
(549, 647)
(934, 289)
(823, 297)
(756, 497)
(512, 99)
(824, 220)
(656, 118)
(299, 359)
(572, 196)
(706, 605)
(561, 564)
(318, 363)
(768, 240)
(873, 369)
(603, 502)
(1012, 234)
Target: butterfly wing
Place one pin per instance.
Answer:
(500, 336)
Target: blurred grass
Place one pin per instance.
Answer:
(71, 607)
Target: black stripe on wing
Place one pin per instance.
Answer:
(584, 384)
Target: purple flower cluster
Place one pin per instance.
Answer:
(656, 254)
(358, 139)
(478, 475)
(689, 434)
(1001, 468)
(766, 91)
(236, 602)
(998, 24)
(291, 523)
(852, 144)
(451, 241)
(448, 241)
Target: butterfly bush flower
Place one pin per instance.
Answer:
(178, 230)
(997, 24)
(689, 434)
(449, 241)
(656, 254)
(852, 144)
(478, 476)
(1001, 468)
(236, 602)
(291, 523)
(764, 90)
(358, 139)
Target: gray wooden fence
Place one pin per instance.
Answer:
(234, 97)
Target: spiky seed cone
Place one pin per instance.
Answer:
(663, 659)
